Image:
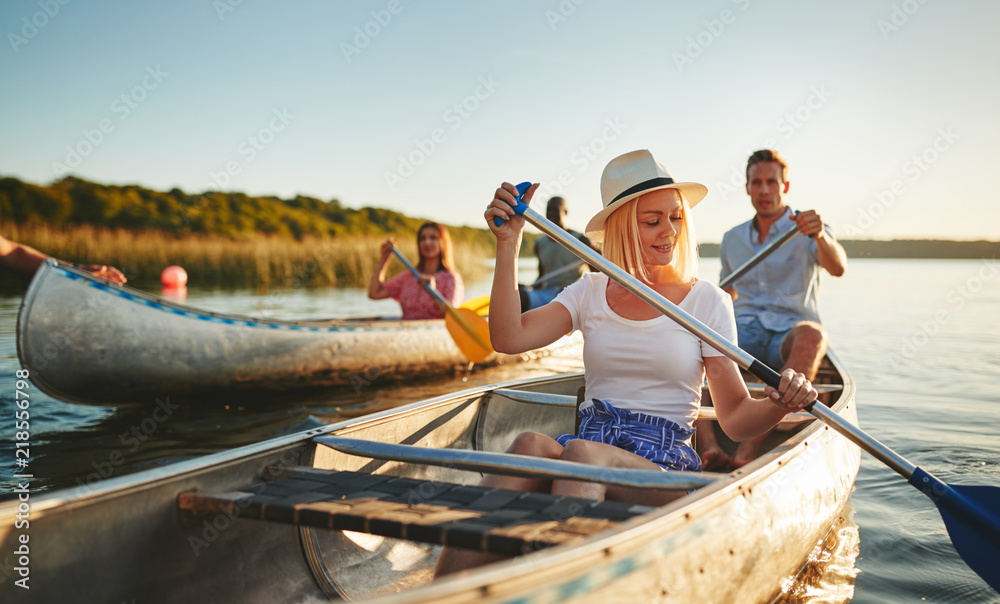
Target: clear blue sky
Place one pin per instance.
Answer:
(426, 107)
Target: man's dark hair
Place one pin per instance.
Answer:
(553, 207)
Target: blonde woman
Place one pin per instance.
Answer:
(643, 371)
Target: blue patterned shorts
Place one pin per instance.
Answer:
(657, 439)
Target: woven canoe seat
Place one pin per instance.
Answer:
(472, 517)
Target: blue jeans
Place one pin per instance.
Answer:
(540, 297)
(762, 343)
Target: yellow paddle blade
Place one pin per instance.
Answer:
(480, 305)
(470, 332)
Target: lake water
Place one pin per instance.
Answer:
(921, 338)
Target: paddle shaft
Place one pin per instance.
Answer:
(756, 258)
(769, 376)
(559, 271)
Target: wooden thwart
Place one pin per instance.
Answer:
(479, 518)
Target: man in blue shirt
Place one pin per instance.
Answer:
(551, 257)
(775, 302)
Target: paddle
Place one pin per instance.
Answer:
(969, 512)
(756, 258)
(480, 305)
(470, 331)
(559, 271)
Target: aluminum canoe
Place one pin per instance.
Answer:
(86, 340)
(739, 539)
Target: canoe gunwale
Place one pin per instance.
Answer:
(51, 264)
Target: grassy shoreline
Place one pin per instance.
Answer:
(261, 262)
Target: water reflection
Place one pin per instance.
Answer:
(828, 577)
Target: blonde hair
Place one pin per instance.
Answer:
(623, 247)
(444, 239)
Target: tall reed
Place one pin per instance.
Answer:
(261, 262)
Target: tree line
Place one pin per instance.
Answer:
(73, 201)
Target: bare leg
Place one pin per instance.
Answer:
(803, 350)
(601, 454)
(712, 455)
(528, 443)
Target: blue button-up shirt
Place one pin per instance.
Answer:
(781, 290)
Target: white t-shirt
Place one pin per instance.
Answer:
(653, 366)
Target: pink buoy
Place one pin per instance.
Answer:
(174, 276)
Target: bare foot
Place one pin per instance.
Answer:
(746, 452)
(713, 458)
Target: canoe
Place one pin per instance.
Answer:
(86, 340)
(359, 509)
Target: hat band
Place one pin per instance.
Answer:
(642, 186)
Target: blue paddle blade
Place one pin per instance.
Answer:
(972, 542)
(520, 207)
(970, 514)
